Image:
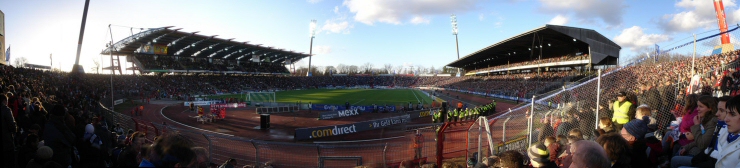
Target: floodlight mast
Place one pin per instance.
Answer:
(312, 30)
(454, 32)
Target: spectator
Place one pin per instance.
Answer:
(129, 156)
(90, 151)
(201, 157)
(728, 156)
(605, 126)
(646, 111)
(704, 124)
(586, 122)
(566, 126)
(43, 156)
(539, 156)
(9, 129)
(511, 159)
(687, 120)
(554, 150)
(713, 151)
(616, 148)
(231, 163)
(588, 154)
(59, 137)
(546, 130)
(634, 132)
(668, 96)
(576, 133)
(28, 150)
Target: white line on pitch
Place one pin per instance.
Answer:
(358, 101)
(417, 98)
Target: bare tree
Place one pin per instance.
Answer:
(420, 69)
(20, 62)
(342, 68)
(97, 65)
(329, 70)
(398, 69)
(353, 69)
(388, 68)
(317, 70)
(301, 71)
(368, 67)
(432, 70)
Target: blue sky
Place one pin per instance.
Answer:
(351, 32)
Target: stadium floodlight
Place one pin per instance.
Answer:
(514, 52)
(312, 31)
(574, 39)
(154, 41)
(548, 44)
(454, 24)
(453, 19)
(530, 49)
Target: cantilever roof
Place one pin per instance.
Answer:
(192, 44)
(563, 40)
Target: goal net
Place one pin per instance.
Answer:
(255, 97)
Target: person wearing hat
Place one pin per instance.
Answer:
(634, 132)
(622, 110)
(539, 156)
(43, 155)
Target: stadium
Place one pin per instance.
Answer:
(196, 100)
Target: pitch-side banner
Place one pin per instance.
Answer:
(338, 114)
(336, 130)
(229, 105)
(329, 107)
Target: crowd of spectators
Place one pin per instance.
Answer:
(535, 62)
(50, 136)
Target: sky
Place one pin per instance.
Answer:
(351, 32)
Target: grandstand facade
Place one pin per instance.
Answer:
(547, 48)
(166, 50)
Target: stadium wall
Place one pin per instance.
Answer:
(2, 39)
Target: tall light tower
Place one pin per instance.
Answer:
(312, 29)
(454, 32)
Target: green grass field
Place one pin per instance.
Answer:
(340, 96)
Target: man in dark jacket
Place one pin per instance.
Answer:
(725, 83)
(668, 97)
(59, 137)
(650, 96)
(9, 129)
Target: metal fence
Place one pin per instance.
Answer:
(658, 81)
(388, 151)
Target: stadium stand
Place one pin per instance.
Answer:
(64, 111)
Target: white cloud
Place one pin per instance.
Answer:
(395, 11)
(609, 12)
(559, 20)
(336, 27)
(314, 1)
(336, 10)
(419, 20)
(320, 50)
(481, 17)
(697, 14)
(635, 38)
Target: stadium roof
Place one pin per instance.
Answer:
(555, 41)
(192, 44)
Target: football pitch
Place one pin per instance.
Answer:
(340, 96)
